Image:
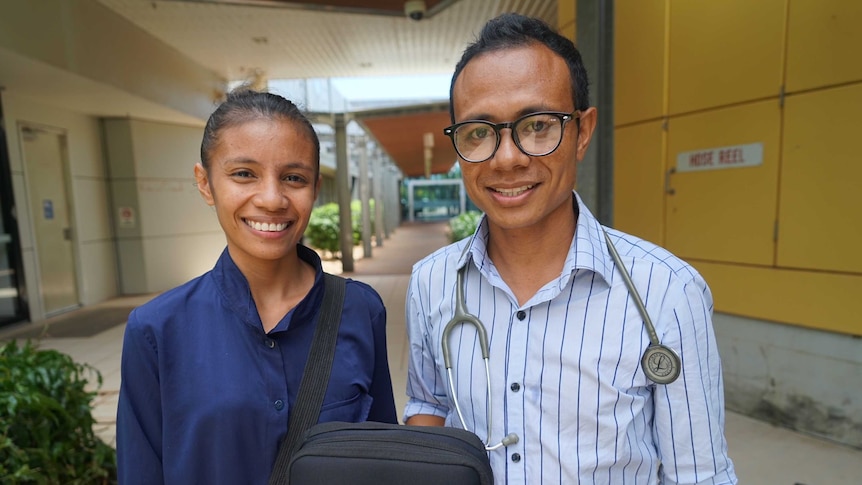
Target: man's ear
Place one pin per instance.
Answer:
(203, 184)
(586, 126)
(317, 186)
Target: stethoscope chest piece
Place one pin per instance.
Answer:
(661, 364)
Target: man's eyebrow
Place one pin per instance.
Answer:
(522, 112)
(480, 116)
(534, 109)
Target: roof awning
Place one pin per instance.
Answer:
(400, 132)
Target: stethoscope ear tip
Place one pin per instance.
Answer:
(510, 439)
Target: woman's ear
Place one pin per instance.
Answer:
(203, 184)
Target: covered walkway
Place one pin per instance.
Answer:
(763, 454)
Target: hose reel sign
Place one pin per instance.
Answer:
(736, 156)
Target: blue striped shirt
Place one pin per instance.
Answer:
(565, 366)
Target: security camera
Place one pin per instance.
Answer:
(415, 9)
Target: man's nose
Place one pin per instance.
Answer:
(508, 154)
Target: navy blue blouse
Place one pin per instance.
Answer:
(205, 393)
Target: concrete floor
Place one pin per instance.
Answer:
(763, 454)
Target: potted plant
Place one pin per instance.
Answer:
(46, 422)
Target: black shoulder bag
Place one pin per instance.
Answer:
(315, 376)
(366, 453)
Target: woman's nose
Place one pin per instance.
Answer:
(271, 195)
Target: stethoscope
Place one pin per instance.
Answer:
(659, 362)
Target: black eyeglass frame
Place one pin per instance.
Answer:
(564, 118)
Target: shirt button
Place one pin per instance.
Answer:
(515, 387)
(270, 343)
(279, 404)
(516, 457)
(522, 314)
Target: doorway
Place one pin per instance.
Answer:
(44, 151)
(13, 307)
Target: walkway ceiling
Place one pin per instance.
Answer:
(276, 39)
(401, 133)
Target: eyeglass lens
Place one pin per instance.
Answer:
(535, 135)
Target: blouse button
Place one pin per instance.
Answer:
(515, 387)
(521, 314)
(279, 404)
(270, 343)
(516, 457)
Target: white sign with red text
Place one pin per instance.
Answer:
(126, 217)
(750, 155)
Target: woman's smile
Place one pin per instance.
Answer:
(266, 226)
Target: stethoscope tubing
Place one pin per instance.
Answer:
(461, 316)
(669, 365)
(653, 337)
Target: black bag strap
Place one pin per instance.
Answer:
(315, 376)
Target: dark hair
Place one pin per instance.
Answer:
(512, 30)
(243, 105)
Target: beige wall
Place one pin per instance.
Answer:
(85, 39)
(173, 235)
(66, 65)
(146, 166)
(92, 236)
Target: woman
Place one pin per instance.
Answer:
(210, 369)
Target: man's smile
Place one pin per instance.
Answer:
(513, 192)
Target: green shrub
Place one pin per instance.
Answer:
(463, 225)
(46, 422)
(324, 226)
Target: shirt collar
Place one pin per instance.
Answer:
(588, 250)
(237, 295)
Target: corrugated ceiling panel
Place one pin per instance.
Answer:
(295, 43)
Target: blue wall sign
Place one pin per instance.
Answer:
(48, 209)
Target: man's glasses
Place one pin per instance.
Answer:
(535, 134)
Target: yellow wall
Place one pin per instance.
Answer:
(566, 11)
(778, 241)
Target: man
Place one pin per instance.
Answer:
(569, 399)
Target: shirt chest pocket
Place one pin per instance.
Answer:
(353, 410)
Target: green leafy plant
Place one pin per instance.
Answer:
(324, 226)
(463, 225)
(46, 422)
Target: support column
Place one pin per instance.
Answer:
(391, 201)
(364, 195)
(396, 197)
(342, 187)
(376, 188)
(595, 36)
(393, 190)
(410, 211)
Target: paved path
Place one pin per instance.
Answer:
(763, 454)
